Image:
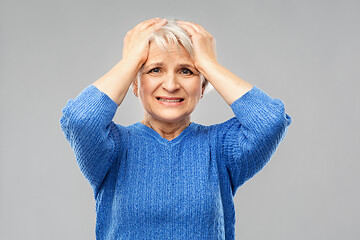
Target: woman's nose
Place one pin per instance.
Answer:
(170, 83)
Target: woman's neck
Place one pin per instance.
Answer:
(167, 130)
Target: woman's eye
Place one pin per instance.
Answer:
(186, 71)
(156, 70)
(183, 71)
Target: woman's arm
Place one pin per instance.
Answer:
(117, 81)
(95, 139)
(227, 84)
(87, 120)
(248, 140)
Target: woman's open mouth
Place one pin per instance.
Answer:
(170, 101)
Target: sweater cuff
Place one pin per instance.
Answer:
(255, 105)
(91, 102)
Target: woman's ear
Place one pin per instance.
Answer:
(203, 88)
(135, 87)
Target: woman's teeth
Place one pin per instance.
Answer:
(167, 100)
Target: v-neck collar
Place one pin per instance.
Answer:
(159, 138)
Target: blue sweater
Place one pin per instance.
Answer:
(147, 187)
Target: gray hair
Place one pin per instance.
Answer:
(172, 33)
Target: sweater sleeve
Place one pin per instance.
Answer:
(93, 136)
(250, 138)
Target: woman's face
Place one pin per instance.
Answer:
(170, 86)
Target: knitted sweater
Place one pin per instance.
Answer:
(147, 187)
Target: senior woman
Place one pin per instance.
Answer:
(167, 177)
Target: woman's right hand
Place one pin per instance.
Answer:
(136, 41)
(117, 81)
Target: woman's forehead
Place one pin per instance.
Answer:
(160, 57)
(171, 49)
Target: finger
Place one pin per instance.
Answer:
(201, 30)
(159, 23)
(155, 26)
(201, 27)
(146, 24)
(188, 28)
(197, 27)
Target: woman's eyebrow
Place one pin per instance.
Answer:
(185, 65)
(154, 64)
(159, 64)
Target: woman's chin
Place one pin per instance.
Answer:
(172, 118)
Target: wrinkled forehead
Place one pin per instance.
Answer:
(166, 47)
(171, 54)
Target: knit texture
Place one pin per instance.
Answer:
(147, 187)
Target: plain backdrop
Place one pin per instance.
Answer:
(305, 53)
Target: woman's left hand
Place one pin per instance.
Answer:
(227, 84)
(203, 44)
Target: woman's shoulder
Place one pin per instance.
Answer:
(216, 128)
(127, 129)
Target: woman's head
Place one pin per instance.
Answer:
(174, 34)
(168, 84)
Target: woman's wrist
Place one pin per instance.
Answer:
(116, 82)
(131, 64)
(226, 83)
(207, 68)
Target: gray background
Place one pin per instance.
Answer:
(305, 53)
